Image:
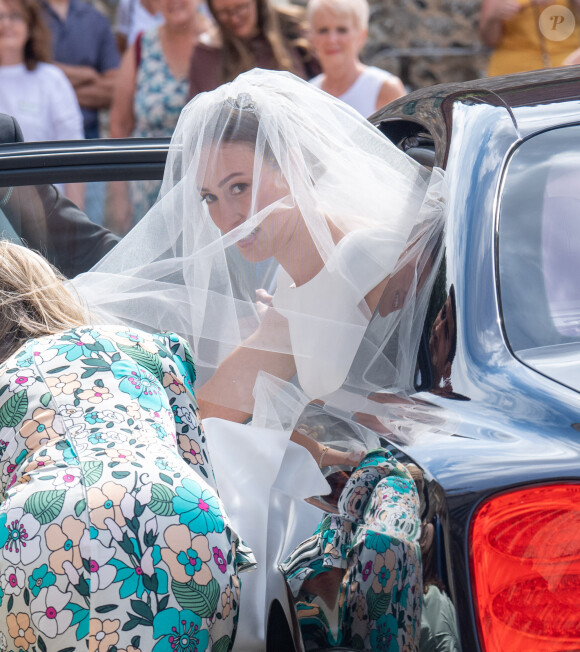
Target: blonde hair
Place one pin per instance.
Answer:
(33, 299)
(358, 9)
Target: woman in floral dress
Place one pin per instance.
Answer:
(111, 530)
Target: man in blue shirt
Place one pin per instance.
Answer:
(84, 48)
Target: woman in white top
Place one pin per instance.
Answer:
(35, 92)
(338, 31)
(133, 17)
(265, 173)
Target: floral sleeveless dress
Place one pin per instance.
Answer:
(111, 531)
(159, 99)
(373, 541)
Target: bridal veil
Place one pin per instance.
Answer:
(291, 227)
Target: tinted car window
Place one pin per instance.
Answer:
(539, 247)
(44, 218)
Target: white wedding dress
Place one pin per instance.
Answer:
(264, 484)
(263, 480)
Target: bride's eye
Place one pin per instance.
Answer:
(238, 188)
(208, 198)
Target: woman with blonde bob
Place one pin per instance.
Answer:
(110, 525)
(338, 32)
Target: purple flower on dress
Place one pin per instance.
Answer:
(218, 557)
(367, 570)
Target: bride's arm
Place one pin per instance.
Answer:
(228, 394)
(413, 268)
(327, 455)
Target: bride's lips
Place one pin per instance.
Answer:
(248, 240)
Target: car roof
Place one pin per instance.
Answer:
(428, 112)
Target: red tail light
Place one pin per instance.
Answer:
(525, 564)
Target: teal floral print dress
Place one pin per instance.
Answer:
(112, 534)
(159, 99)
(373, 543)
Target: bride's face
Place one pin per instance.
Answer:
(232, 195)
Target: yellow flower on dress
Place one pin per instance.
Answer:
(44, 426)
(64, 541)
(385, 571)
(361, 606)
(20, 630)
(103, 634)
(172, 382)
(105, 503)
(187, 555)
(95, 395)
(236, 584)
(120, 454)
(63, 384)
(227, 599)
(191, 449)
(38, 462)
(133, 410)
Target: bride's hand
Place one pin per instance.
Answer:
(263, 301)
(263, 297)
(334, 457)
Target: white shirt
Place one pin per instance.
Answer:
(364, 93)
(42, 101)
(132, 18)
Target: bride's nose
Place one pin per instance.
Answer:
(228, 216)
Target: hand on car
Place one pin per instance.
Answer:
(335, 457)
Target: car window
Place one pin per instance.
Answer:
(539, 254)
(74, 224)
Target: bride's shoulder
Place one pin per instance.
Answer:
(360, 241)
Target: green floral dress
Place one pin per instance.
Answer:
(373, 542)
(111, 530)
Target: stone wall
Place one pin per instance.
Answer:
(426, 41)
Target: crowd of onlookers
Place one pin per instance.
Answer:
(173, 49)
(62, 61)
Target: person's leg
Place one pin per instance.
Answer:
(358, 582)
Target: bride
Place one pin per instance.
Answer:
(286, 227)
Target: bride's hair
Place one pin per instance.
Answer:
(33, 299)
(238, 123)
